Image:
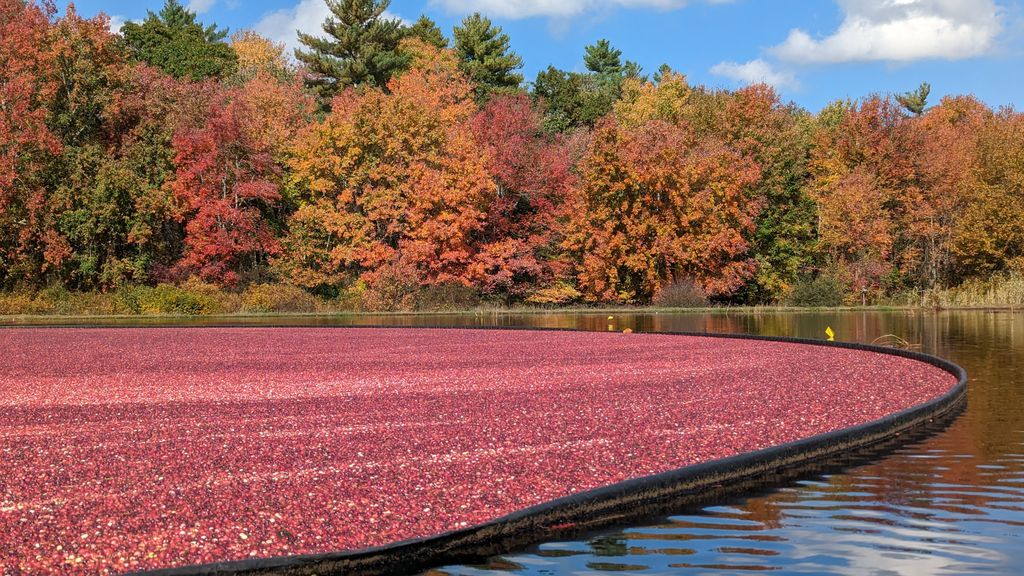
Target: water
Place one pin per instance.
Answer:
(950, 504)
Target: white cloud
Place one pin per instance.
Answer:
(900, 31)
(754, 72)
(201, 6)
(307, 16)
(515, 9)
(115, 23)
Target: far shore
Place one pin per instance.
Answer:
(47, 319)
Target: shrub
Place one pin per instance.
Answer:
(824, 291)
(448, 296)
(349, 299)
(266, 298)
(170, 299)
(560, 294)
(392, 288)
(18, 303)
(681, 294)
(56, 300)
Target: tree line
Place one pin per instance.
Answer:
(382, 159)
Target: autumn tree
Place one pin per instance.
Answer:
(174, 41)
(391, 184)
(486, 57)
(93, 204)
(360, 47)
(777, 137)
(946, 164)
(864, 183)
(226, 184)
(989, 237)
(26, 142)
(532, 171)
(658, 204)
(258, 55)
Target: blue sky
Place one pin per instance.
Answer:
(814, 51)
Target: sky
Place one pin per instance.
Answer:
(812, 51)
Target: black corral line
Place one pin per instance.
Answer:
(691, 485)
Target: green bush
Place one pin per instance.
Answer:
(265, 298)
(57, 300)
(170, 299)
(825, 291)
(681, 294)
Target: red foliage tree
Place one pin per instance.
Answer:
(226, 182)
(26, 143)
(533, 177)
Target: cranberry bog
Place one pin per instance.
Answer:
(378, 450)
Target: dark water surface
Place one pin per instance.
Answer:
(950, 504)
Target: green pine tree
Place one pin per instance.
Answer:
(578, 100)
(426, 30)
(178, 44)
(663, 70)
(633, 70)
(916, 102)
(361, 47)
(601, 58)
(486, 57)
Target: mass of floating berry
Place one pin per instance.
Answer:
(131, 449)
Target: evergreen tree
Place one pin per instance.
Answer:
(916, 102)
(361, 47)
(575, 100)
(486, 57)
(178, 44)
(601, 58)
(426, 30)
(633, 70)
(663, 71)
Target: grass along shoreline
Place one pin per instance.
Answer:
(193, 299)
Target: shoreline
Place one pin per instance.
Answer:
(122, 319)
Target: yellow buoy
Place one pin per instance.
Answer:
(831, 334)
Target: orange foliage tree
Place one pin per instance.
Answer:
(391, 181)
(989, 237)
(946, 163)
(864, 182)
(657, 204)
